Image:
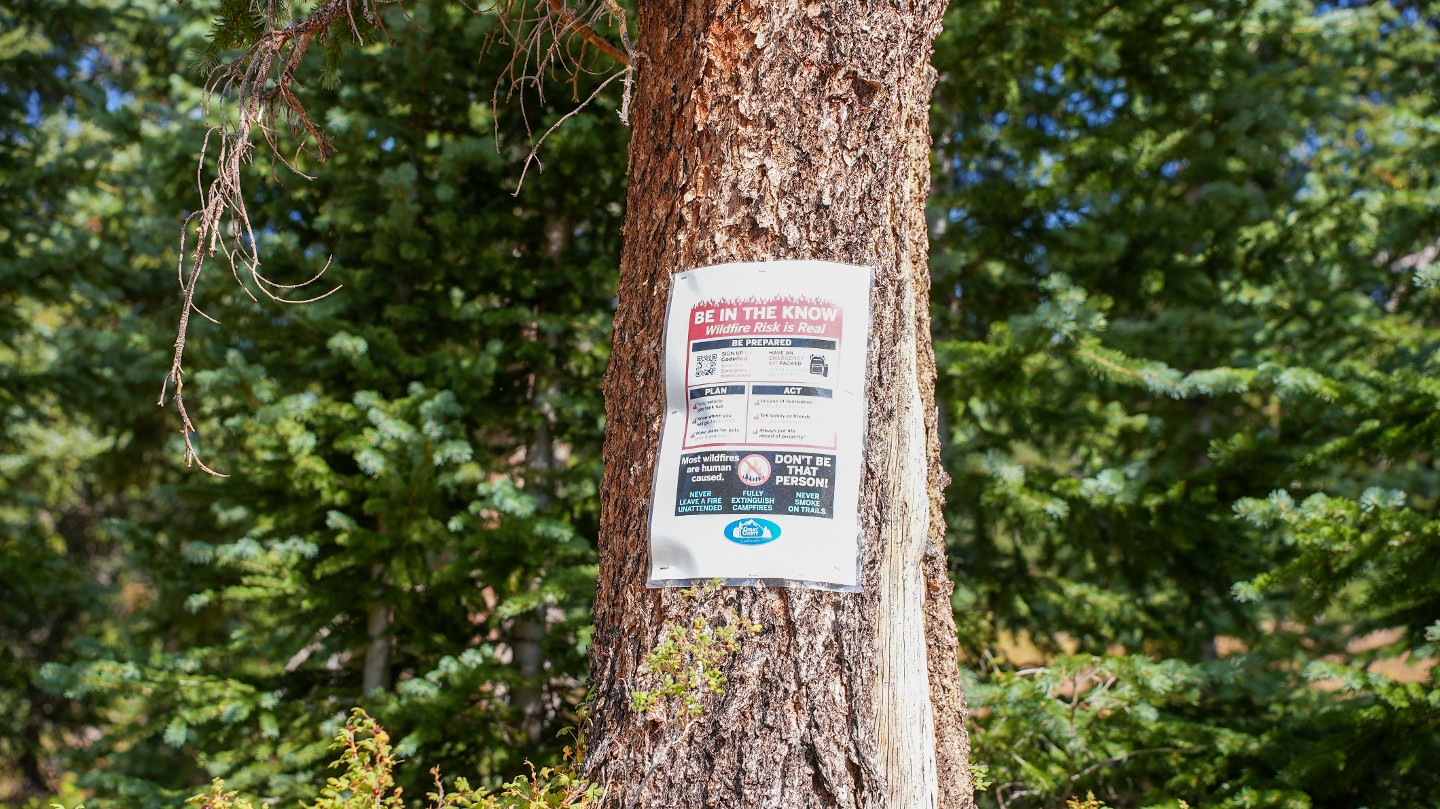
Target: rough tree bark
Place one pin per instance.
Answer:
(785, 129)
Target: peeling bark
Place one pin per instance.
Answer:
(789, 129)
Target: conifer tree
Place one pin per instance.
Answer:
(409, 523)
(1187, 317)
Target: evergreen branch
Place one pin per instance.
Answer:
(1112, 366)
(1129, 754)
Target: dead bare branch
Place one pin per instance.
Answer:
(260, 86)
(260, 83)
(534, 155)
(555, 36)
(569, 22)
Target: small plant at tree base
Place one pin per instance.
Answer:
(368, 779)
(217, 798)
(686, 665)
(980, 777)
(1090, 802)
(368, 763)
(561, 786)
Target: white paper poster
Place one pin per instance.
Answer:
(760, 453)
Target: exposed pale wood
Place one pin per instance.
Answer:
(905, 720)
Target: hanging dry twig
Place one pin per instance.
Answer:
(557, 37)
(260, 83)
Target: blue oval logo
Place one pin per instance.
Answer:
(752, 531)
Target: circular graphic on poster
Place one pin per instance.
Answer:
(753, 470)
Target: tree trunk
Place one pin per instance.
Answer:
(785, 130)
(530, 627)
(376, 674)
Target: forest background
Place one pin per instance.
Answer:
(1186, 319)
